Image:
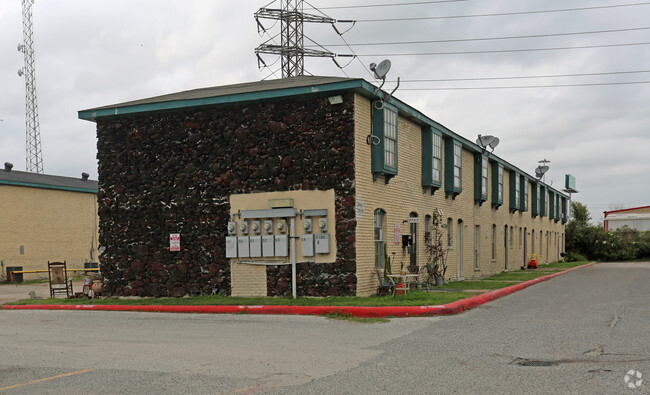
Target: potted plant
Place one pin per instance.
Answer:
(436, 250)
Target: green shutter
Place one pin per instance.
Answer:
(449, 167)
(514, 204)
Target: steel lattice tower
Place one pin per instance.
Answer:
(34, 155)
(291, 50)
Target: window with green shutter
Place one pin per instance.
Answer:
(431, 159)
(497, 185)
(384, 145)
(515, 189)
(480, 179)
(453, 168)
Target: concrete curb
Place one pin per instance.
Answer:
(357, 311)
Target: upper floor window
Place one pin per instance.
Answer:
(436, 165)
(484, 177)
(384, 146)
(497, 184)
(390, 136)
(453, 167)
(431, 159)
(524, 185)
(458, 166)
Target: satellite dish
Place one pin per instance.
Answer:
(539, 172)
(381, 69)
(20, 72)
(487, 141)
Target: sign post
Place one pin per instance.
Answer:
(174, 242)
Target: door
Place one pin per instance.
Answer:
(477, 245)
(414, 237)
(505, 247)
(525, 243)
(459, 254)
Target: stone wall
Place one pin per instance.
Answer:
(173, 172)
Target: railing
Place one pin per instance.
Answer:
(74, 272)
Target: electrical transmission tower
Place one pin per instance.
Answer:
(291, 50)
(34, 155)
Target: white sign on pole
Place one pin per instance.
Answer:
(174, 242)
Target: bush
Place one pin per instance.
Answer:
(572, 256)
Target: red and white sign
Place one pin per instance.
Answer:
(174, 242)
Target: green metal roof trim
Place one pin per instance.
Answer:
(44, 186)
(46, 181)
(277, 89)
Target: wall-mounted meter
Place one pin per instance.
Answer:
(256, 227)
(322, 225)
(268, 226)
(282, 226)
(232, 228)
(243, 228)
(307, 225)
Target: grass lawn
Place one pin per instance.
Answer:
(414, 298)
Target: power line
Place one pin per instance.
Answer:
(501, 14)
(391, 4)
(493, 38)
(504, 50)
(525, 86)
(526, 77)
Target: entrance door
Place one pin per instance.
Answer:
(477, 242)
(505, 247)
(414, 236)
(525, 243)
(460, 249)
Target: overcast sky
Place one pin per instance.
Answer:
(595, 126)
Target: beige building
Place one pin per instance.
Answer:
(300, 184)
(46, 218)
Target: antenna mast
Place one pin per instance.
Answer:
(291, 50)
(34, 155)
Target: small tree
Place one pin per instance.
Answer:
(436, 250)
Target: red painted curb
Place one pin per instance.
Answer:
(358, 311)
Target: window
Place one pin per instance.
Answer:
(428, 237)
(524, 186)
(453, 167)
(431, 159)
(450, 233)
(515, 189)
(497, 184)
(484, 177)
(390, 136)
(436, 168)
(379, 224)
(384, 141)
(538, 199)
(480, 179)
(511, 237)
(458, 166)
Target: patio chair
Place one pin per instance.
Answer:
(60, 283)
(385, 284)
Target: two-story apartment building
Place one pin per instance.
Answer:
(300, 185)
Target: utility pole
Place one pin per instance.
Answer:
(33, 152)
(291, 49)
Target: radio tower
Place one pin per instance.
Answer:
(34, 156)
(291, 50)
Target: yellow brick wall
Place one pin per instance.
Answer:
(50, 225)
(404, 194)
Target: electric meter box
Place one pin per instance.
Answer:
(307, 244)
(281, 245)
(231, 246)
(255, 245)
(243, 246)
(322, 243)
(268, 246)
